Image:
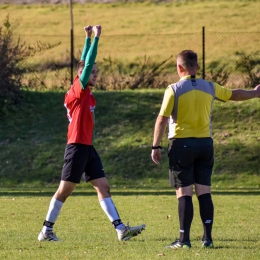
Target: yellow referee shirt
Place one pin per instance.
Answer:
(188, 104)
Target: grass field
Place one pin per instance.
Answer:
(141, 18)
(33, 138)
(165, 30)
(87, 233)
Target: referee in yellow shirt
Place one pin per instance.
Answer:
(187, 108)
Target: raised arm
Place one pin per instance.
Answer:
(91, 57)
(241, 94)
(88, 31)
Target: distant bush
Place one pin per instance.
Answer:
(116, 75)
(218, 72)
(249, 64)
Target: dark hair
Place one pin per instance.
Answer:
(81, 65)
(188, 59)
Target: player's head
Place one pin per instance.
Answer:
(80, 66)
(187, 60)
(94, 73)
(93, 76)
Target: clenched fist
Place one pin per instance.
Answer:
(88, 30)
(97, 30)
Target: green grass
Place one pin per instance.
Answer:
(151, 30)
(141, 18)
(87, 233)
(33, 138)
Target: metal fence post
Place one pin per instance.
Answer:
(203, 52)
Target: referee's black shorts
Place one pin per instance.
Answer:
(190, 161)
(81, 161)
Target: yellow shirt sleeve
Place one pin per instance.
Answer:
(168, 102)
(221, 93)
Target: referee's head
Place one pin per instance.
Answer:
(187, 60)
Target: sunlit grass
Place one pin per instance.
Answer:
(87, 233)
(33, 140)
(149, 30)
(137, 18)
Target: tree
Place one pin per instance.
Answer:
(11, 53)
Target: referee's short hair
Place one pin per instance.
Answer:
(188, 59)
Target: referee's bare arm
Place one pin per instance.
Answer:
(242, 94)
(159, 130)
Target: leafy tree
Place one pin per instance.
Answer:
(12, 52)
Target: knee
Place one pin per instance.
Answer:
(62, 194)
(103, 187)
(205, 197)
(201, 189)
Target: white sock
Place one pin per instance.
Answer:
(53, 213)
(109, 208)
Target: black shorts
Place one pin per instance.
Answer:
(81, 161)
(190, 161)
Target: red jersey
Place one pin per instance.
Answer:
(80, 105)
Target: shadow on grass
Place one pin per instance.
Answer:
(33, 138)
(115, 192)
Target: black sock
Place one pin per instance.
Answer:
(48, 224)
(206, 214)
(116, 223)
(185, 216)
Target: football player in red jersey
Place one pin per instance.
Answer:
(81, 159)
